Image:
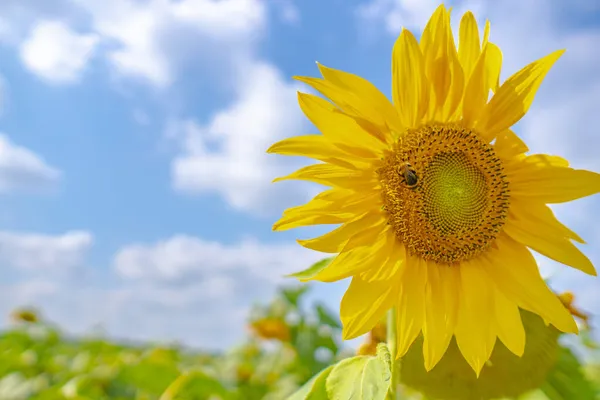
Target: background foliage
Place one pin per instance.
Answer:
(288, 343)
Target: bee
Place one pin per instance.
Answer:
(409, 174)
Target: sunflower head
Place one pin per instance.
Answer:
(25, 315)
(270, 329)
(436, 202)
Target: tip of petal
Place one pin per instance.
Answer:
(346, 334)
(477, 366)
(303, 243)
(429, 364)
(571, 327)
(431, 358)
(277, 226)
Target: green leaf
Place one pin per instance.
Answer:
(312, 270)
(293, 294)
(587, 339)
(566, 380)
(151, 378)
(383, 353)
(314, 389)
(360, 378)
(325, 317)
(194, 385)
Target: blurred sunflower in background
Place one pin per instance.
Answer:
(270, 328)
(27, 315)
(437, 200)
(503, 375)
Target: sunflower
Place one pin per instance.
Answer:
(270, 328)
(438, 202)
(26, 315)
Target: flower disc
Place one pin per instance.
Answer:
(459, 200)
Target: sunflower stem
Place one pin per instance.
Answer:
(391, 343)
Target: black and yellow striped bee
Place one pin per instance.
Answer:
(409, 174)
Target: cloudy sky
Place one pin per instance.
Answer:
(134, 186)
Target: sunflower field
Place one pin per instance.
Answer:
(292, 350)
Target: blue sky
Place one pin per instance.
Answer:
(134, 187)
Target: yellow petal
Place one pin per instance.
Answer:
(513, 99)
(515, 273)
(333, 175)
(410, 90)
(493, 66)
(338, 127)
(476, 91)
(429, 49)
(411, 306)
(442, 66)
(534, 214)
(362, 96)
(367, 252)
(509, 145)
(364, 304)
(325, 198)
(317, 147)
(440, 312)
(493, 58)
(335, 201)
(334, 241)
(350, 103)
(366, 238)
(551, 184)
(475, 333)
(509, 324)
(329, 207)
(544, 160)
(486, 33)
(320, 210)
(296, 221)
(541, 235)
(392, 266)
(469, 47)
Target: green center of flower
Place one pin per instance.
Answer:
(445, 192)
(456, 192)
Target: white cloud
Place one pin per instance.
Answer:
(150, 38)
(56, 53)
(43, 252)
(265, 111)
(181, 288)
(181, 258)
(178, 276)
(23, 170)
(288, 11)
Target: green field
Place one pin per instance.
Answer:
(287, 343)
